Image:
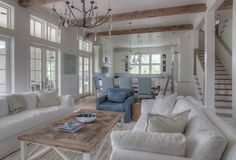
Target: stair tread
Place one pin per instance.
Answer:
(223, 107)
(223, 89)
(223, 94)
(221, 100)
(224, 115)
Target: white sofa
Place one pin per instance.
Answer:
(131, 145)
(11, 126)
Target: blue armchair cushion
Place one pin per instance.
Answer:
(109, 106)
(117, 95)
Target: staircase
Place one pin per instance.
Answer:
(223, 88)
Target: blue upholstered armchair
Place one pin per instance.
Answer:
(117, 100)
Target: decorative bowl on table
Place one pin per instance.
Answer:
(86, 117)
(70, 127)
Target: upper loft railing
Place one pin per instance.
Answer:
(229, 50)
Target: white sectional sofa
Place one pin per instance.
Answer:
(200, 135)
(11, 126)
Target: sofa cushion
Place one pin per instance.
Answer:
(31, 99)
(23, 121)
(4, 111)
(16, 103)
(46, 99)
(109, 106)
(165, 105)
(162, 143)
(204, 141)
(117, 95)
(175, 123)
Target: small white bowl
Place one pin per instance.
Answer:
(86, 118)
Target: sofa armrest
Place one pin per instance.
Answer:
(101, 100)
(121, 154)
(66, 100)
(162, 143)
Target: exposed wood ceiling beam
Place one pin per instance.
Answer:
(227, 4)
(170, 11)
(31, 3)
(146, 30)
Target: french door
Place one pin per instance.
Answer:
(4, 66)
(84, 75)
(43, 68)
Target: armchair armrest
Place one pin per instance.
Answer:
(128, 105)
(66, 100)
(161, 143)
(101, 100)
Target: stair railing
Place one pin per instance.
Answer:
(199, 70)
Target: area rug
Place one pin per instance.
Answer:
(52, 155)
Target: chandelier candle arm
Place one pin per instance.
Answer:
(88, 20)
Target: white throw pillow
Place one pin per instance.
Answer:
(175, 123)
(46, 99)
(31, 99)
(165, 105)
(161, 143)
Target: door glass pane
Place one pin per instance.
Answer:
(2, 61)
(3, 67)
(50, 69)
(35, 68)
(2, 77)
(2, 89)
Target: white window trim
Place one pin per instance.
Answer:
(10, 15)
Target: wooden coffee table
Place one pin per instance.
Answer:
(88, 140)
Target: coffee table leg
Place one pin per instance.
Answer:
(122, 123)
(23, 147)
(86, 156)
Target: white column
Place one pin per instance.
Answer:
(234, 64)
(195, 36)
(210, 60)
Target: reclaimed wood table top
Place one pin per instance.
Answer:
(84, 140)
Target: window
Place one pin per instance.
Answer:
(41, 29)
(37, 27)
(53, 33)
(6, 15)
(145, 64)
(43, 70)
(86, 46)
(4, 67)
(35, 68)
